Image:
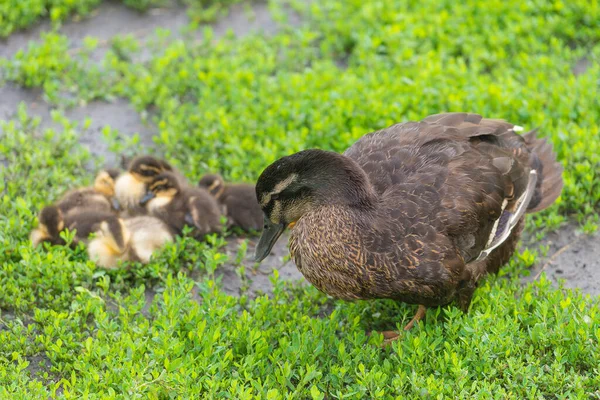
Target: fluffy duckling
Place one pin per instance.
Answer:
(179, 206)
(105, 184)
(50, 225)
(52, 221)
(418, 212)
(131, 239)
(99, 197)
(131, 186)
(238, 202)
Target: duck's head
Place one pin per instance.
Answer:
(146, 168)
(301, 182)
(164, 186)
(105, 182)
(213, 183)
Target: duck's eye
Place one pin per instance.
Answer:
(275, 196)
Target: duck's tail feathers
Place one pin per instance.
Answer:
(550, 182)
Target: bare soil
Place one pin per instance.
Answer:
(257, 277)
(572, 256)
(110, 20)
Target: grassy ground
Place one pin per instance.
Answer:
(68, 328)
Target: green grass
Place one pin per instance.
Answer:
(236, 104)
(17, 15)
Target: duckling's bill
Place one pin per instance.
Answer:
(147, 197)
(269, 236)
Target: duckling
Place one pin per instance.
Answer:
(52, 221)
(238, 202)
(105, 184)
(179, 206)
(131, 239)
(418, 212)
(130, 187)
(50, 225)
(99, 197)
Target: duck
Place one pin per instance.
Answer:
(128, 239)
(131, 186)
(417, 212)
(98, 197)
(238, 202)
(179, 206)
(83, 221)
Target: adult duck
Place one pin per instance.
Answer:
(417, 212)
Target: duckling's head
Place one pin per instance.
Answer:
(113, 173)
(301, 182)
(145, 168)
(51, 223)
(164, 186)
(105, 183)
(213, 183)
(110, 244)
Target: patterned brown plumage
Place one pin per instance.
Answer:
(409, 212)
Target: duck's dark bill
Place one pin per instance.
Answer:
(270, 234)
(149, 196)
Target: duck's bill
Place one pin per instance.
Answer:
(147, 197)
(115, 204)
(270, 234)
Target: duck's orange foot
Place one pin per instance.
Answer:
(389, 337)
(418, 316)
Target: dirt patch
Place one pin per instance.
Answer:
(114, 18)
(119, 114)
(572, 256)
(241, 275)
(581, 66)
(38, 365)
(109, 20)
(256, 279)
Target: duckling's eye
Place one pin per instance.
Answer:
(147, 172)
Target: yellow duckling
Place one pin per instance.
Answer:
(131, 239)
(131, 186)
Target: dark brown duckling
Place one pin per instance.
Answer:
(131, 186)
(179, 206)
(131, 239)
(99, 197)
(238, 202)
(417, 212)
(52, 221)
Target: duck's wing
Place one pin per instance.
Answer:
(458, 174)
